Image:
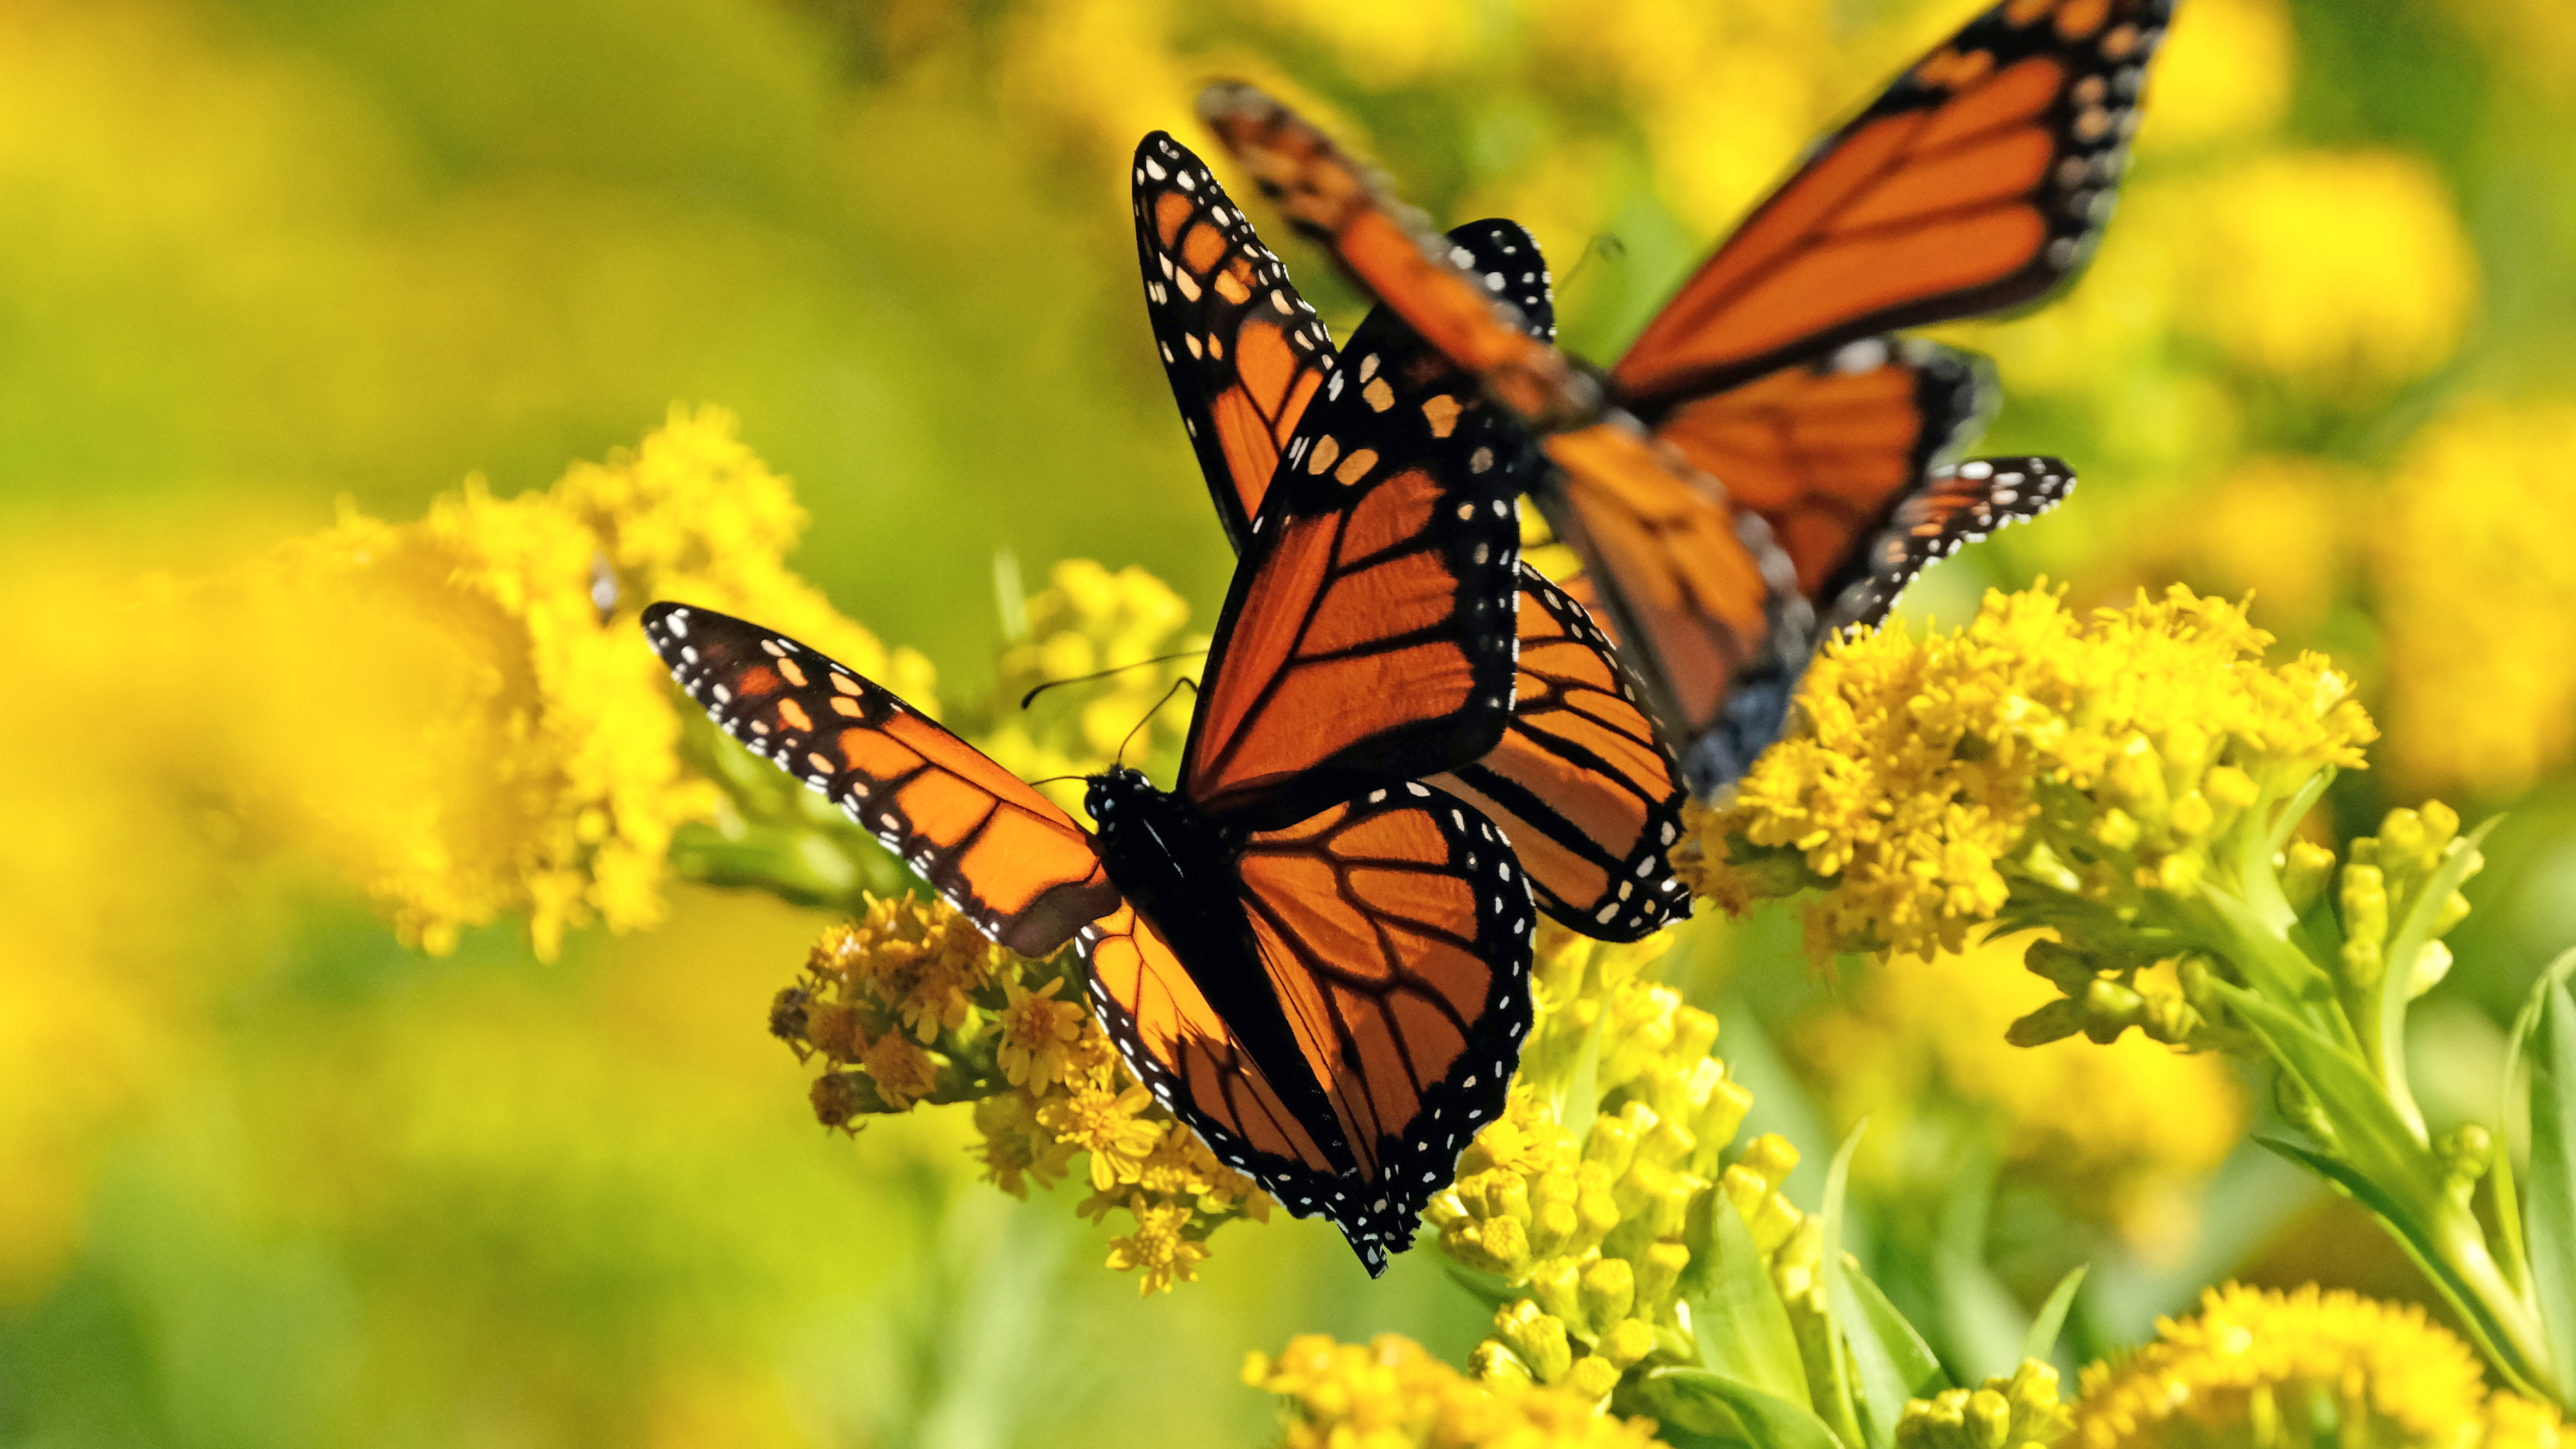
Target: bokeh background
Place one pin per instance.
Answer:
(269, 1177)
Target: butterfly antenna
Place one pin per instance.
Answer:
(1031, 696)
(1604, 245)
(1157, 709)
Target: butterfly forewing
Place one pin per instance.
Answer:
(1979, 181)
(1588, 795)
(1958, 505)
(1395, 929)
(1243, 351)
(1368, 637)
(1001, 853)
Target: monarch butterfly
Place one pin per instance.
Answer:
(1587, 792)
(1316, 960)
(1980, 180)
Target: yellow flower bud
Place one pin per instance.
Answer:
(1494, 1362)
(1606, 1290)
(2191, 816)
(2230, 788)
(1558, 1288)
(1538, 1338)
(2432, 963)
(1593, 1378)
(1627, 1341)
(2304, 868)
(1661, 1269)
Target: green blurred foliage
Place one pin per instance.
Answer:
(260, 255)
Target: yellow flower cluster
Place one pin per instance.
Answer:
(2481, 650)
(2341, 270)
(1582, 1196)
(2019, 1410)
(1089, 620)
(2094, 757)
(2260, 1367)
(2127, 1131)
(1392, 1395)
(469, 724)
(909, 1003)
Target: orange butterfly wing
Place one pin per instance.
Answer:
(1581, 784)
(1824, 451)
(1979, 181)
(1000, 852)
(1395, 930)
(1182, 1048)
(1367, 637)
(1243, 352)
(1698, 595)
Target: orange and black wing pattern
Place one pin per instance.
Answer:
(1979, 181)
(1701, 598)
(1395, 931)
(1368, 636)
(1584, 788)
(1001, 853)
(1825, 450)
(1957, 505)
(1243, 352)
(1183, 1049)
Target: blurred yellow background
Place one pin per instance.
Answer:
(268, 1177)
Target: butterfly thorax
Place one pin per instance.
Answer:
(1179, 869)
(1170, 861)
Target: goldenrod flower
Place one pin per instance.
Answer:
(2128, 1130)
(1016, 1148)
(1106, 1125)
(2015, 1411)
(2098, 758)
(1038, 1034)
(2482, 659)
(1390, 1394)
(1157, 1249)
(2261, 1367)
(1590, 1227)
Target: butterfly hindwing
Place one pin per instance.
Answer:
(1824, 450)
(1979, 181)
(1588, 794)
(1395, 929)
(1958, 505)
(1243, 352)
(1000, 852)
(1367, 638)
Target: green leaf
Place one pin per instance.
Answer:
(1833, 1385)
(2508, 1203)
(1741, 1324)
(2041, 1342)
(2370, 1133)
(1982, 1326)
(1707, 1402)
(2490, 1337)
(2553, 1176)
(1910, 1368)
